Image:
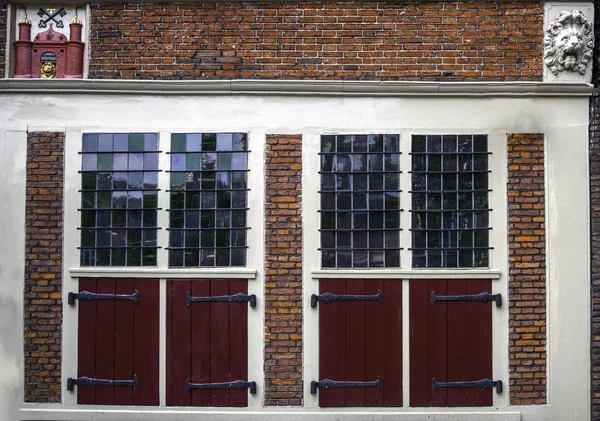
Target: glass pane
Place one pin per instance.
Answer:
(120, 142)
(136, 143)
(105, 142)
(90, 142)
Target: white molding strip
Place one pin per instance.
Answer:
(294, 87)
(406, 274)
(144, 272)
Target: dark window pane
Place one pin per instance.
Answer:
(134, 257)
(191, 257)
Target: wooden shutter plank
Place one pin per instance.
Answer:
(200, 338)
(219, 342)
(169, 345)
(438, 346)
(392, 348)
(86, 345)
(420, 381)
(355, 342)
(105, 342)
(374, 333)
(124, 341)
(180, 331)
(145, 363)
(238, 334)
(457, 343)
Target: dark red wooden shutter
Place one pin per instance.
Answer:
(119, 339)
(451, 341)
(360, 340)
(206, 343)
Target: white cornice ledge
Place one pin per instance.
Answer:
(292, 87)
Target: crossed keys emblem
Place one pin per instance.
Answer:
(51, 14)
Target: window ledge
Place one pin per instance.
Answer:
(145, 272)
(407, 274)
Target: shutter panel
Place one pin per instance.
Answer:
(118, 340)
(360, 341)
(207, 342)
(451, 342)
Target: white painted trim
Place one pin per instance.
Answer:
(145, 272)
(295, 87)
(412, 274)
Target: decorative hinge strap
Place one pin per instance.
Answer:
(484, 297)
(90, 296)
(238, 384)
(482, 384)
(330, 384)
(328, 297)
(237, 298)
(87, 381)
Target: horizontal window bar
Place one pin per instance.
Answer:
(450, 248)
(360, 153)
(359, 248)
(202, 171)
(451, 210)
(118, 209)
(115, 152)
(449, 153)
(119, 228)
(206, 248)
(115, 171)
(360, 229)
(449, 229)
(450, 191)
(360, 172)
(450, 172)
(361, 210)
(115, 190)
(360, 191)
(204, 209)
(208, 229)
(119, 247)
(202, 151)
(203, 190)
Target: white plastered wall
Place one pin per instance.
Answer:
(563, 120)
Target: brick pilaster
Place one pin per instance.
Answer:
(43, 266)
(527, 269)
(283, 271)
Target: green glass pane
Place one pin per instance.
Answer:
(88, 219)
(418, 143)
(150, 199)
(136, 142)
(178, 142)
(207, 219)
(88, 181)
(481, 258)
(118, 257)
(177, 180)
(192, 200)
(176, 219)
(209, 142)
(177, 200)
(224, 161)
(434, 163)
(134, 257)
(192, 238)
(104, 199)
(223, 238)
(465, 258)
(149, 257)
(87, 257)
(103, 257)
(134, 238)
(192, 161)
(119, 219)
(192, 258)
(105, 162)
(88, 238)
(88, 200)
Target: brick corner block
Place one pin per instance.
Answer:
(527, 269)
(283, 268)
(43, 266)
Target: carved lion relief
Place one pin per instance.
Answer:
(569, 42)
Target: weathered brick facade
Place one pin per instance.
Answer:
(527, 269)
(595, 249)
(318, 40)
(283, 271)
(3, 34)
(43, 266)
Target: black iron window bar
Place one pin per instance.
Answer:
(111, 172)
(238, 384)
(358, 248)
(205, 248)
(481, 384)
(360, 210)
(119, 209)
(87, 381)
(117, 152)
(91, 296)
(361, 172)
(203, 209)
(119, 247)
(331, 384)
(484, 297)
(450, 153)
(237, 298)
(196, 171)
(137, 189)
(328, 297)
(205, 152)
(188, 190)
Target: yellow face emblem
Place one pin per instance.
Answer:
(48, 70)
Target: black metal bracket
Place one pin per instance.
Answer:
(331, 384)
(237, 298)
(482, 384)
(90, 296)
(87, 381)
(238, 384)
(328, 297)
(484, 297)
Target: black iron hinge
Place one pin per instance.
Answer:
(238, 384)
(482, 384)
(484, 297)
(331, 384)
(237, 298)
(328, 297)
(87, 381)
(90, 296)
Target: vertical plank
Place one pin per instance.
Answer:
(145, 363)
(457, 343)
(219, 342)
(179, 326)
(355, 343)
(200, 342)
(86, 342)
(169, 346)
(438, 345)
(374, 364)
(105, 342)
(332, 337)
(479, 337)
(124, 341)
(392, 345)
(420, 382)
(238, 342)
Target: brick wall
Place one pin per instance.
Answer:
(527, 269)
(318, 40)
(43, 266)
(3, 34)
(595, 249)
(283, 271)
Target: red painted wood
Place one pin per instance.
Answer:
(438, 346)
(86, 345)
(199, 339)
(145, 358)
(124, 341)
(374, 334)
(457, 343)
(355, 342)
(105, 342)
(179, 329)
(332, 337)
(238, 340)
(392, 345)
(169, 345)
(420, 382)
(219, 342)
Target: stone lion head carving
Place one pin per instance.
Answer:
(569, 42)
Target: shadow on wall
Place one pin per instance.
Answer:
(10, 361)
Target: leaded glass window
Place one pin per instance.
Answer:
(119, 199)
(208, 209)
(360, 201)
(450, 205)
